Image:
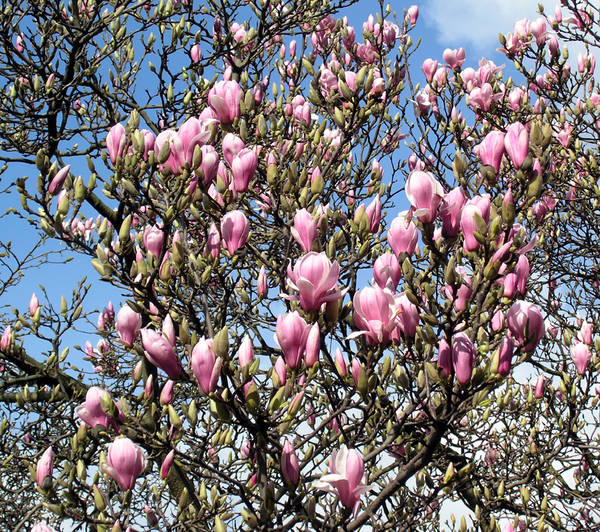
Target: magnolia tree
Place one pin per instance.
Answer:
(352, 292)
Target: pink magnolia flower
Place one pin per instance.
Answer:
(34, 304)
(291, 332)
(232, 145)
(166, 464)
(585, 333)
(153, 240)
(213, 241)
(402, 235)
(387, 272)
(507, 347)
(373, 212)
(315, 278)
(234, 230)
(313, 346)
(526, 324)
(445, 357)
(375, 314)
(290, 468)
(243, 168)
(261, 283)
(6, 340)
(304, 229)
(463, 357)
(196, 53)
(491, 149)
(125, 461)
(280, 372)
(347, 477)
(454, 58)
(413, 14)
(91, 412)
(451, 210)
(516, 142)
(539, 386)
(205, 365)
(581, 355)
(128, 325)
(425, 194)
(44, 469)
(407, 316)
(58, 180)
(477, 206)
(429, 67)
(166, 394)
(245, 352)
(168, 330)
(116, 142)
(159, 352)
(224, 99)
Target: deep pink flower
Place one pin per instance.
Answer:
(445, 357)
(58, 180)
(373, 212)
(491, 149)
(313, 346)
(160, 352)
(375, 314)
(261, 283)
(44, 469)
(425, 194)
(34, 304)
(166, 465)
(243, 168)
(153, 240)
(245, 352)
(526, 324)
(6, 340)
(291, 332)
(315, 278)
(450, 212)
(505, 354)
(402, 235)
(234, 230)
(206, 365)
(454, 58)
(585, 333)
(407, 316)
(516, 143)
(224, 99)
(128, 325)
(347, 477)
(91, 412)
(124, 463)
(304, 229)
(116, 142)
(232, 145)
(477, 206)
(413, 14)
(463, 357)
(387, 272)
(581, 355)
(290, 468)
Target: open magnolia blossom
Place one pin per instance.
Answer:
(346, 478)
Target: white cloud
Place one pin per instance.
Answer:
(476, 23)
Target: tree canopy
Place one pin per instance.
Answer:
(354, 289)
